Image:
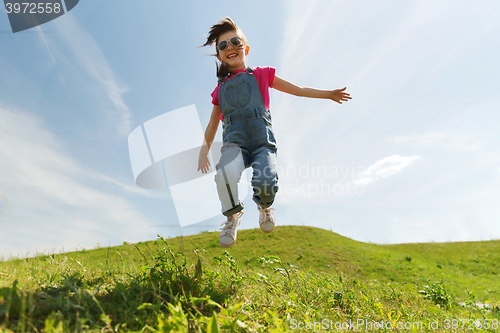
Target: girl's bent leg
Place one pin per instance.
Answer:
(229, 170)
(265, 176)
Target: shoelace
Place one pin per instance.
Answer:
(228, 225)
(267, 211)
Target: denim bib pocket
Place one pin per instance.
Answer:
(238, 95)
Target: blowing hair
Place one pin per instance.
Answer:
(216, 30)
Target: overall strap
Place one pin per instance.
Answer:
(221, 80)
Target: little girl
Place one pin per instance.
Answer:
(241, 101)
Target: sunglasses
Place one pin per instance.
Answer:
(235, 41)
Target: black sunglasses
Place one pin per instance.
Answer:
(235, 41)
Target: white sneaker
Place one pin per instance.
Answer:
(266, 219)
(229, 229)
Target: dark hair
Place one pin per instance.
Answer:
(216, 30)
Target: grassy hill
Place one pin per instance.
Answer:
(307, 273)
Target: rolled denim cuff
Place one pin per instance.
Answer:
(238, 208)
(266, 205)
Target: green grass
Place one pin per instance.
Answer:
(266, 282)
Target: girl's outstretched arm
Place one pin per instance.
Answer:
(337, 95)
(213, 125)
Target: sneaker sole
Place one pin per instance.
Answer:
(267, 231)
(222, 245)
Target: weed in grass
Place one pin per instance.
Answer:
(268, 261)
(437, 292)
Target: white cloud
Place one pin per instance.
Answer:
(95, 64)
(385, 167)
(49, 198)
(461, 142)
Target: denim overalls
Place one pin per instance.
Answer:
(248, 140)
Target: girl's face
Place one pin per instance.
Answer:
(234, 56)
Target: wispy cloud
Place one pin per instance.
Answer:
(385, 167)
(54, 195)
(296, 118)
(461, 142)
(94, 62)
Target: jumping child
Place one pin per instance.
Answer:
(241, 101)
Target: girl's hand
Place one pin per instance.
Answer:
(338, 95)
(203, 162)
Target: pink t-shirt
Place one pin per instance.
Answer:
(265, 79)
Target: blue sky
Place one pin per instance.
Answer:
(412, 158)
